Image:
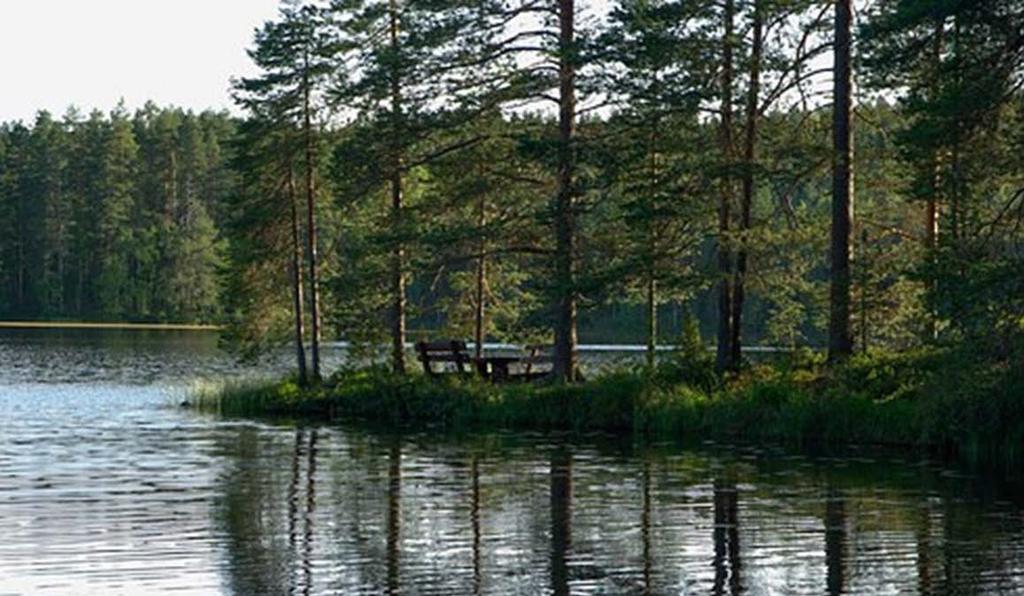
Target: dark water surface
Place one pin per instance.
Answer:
(106, 487)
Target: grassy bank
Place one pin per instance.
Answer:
(941, 400)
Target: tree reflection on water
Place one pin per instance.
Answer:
(321, 511)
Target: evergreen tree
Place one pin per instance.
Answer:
(297, 54)
(267, 246)
(117, 238)
(654, 72)
(46, 209)
(414, 69)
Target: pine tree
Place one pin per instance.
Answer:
(117, 238)
(415, 69)
(477, 213)
(47, 206)
(724, 360)
(194, 252)
(85, 138)
(297, 54)
(8, 224)
(656, 78)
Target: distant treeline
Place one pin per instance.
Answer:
(114, 216)
(126, 217)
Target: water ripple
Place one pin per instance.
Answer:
(107, 488)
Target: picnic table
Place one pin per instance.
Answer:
(454, 358)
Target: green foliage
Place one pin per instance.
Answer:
(960, 142)
(114, 217)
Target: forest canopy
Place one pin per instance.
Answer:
(539, 170)
(115, 217)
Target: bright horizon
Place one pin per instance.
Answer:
(93, 53)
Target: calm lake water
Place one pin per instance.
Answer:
(107, 487)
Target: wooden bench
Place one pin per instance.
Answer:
(450, 353)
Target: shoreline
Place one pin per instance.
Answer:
(107, 326)
(921, 401)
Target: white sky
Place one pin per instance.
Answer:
(92, 53)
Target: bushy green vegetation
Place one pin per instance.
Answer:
(943, 400)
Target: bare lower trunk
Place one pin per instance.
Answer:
(931, 215)
(652, 320)
(481, 282)
(747, 199)
(724, 355)
(840, 340)
(931, 241)
(398, 300)
(565, 361)
(296, 275)
(865, 290)
(652, 252)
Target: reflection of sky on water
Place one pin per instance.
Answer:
(106, 487)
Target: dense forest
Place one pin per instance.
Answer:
(540, 170)
(114, 217)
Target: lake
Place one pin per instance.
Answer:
(107, 486)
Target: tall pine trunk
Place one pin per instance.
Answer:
(956, 179)
(311, 242)
(398, 298)
(481, 281)
(652, 320)
(840, 344)
(724, 353)
(296, 274)
(935, 181)
(565, 361)
(932, 208)
(747, 198)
